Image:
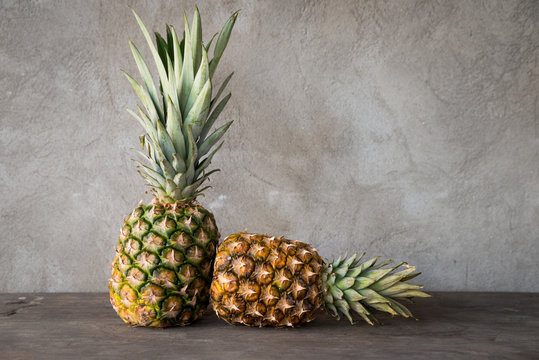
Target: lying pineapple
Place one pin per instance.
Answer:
(260, 280)
(162, 269)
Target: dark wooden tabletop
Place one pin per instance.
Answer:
(451, 326)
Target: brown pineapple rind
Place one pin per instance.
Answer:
(261, 280)
(163, 264)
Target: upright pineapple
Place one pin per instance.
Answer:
(260, 280)
(162, 269)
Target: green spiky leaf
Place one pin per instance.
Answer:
(211, 119)
(352, 285)
(213, 139)
(201, 79)
(177, 155)
(222, 41)
(157, 60)
(199, 111)
(221, 89)
(196, 39)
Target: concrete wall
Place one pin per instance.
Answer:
(405, 128)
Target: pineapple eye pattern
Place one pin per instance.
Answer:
(262, 280)
(257, 281)
(159, 280)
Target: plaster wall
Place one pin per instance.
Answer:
(405, 128)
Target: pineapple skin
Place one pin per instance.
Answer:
(163, 264)
(260, 280)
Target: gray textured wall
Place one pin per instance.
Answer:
(405, 128)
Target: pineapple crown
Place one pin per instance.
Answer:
(178, 141)
(352, 284)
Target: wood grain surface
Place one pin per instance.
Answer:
(451, 326)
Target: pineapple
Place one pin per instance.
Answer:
(162, 269)
(261, 280)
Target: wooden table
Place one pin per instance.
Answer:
(451, 326)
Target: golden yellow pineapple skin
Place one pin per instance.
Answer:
(261, 280)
